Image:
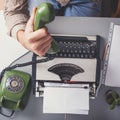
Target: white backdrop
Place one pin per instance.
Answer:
(10, 49)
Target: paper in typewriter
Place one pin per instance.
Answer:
(113, 71)
(88, 66)
(66, 100)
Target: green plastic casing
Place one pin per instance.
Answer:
(15, 100)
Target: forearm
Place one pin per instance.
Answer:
(16, 16)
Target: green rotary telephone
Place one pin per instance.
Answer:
(15, 89)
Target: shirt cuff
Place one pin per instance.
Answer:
(15, 29)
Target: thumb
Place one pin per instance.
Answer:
(30, 23)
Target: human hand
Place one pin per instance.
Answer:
(38, 41)
(63, 2)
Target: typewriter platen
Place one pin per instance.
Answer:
(77, 64)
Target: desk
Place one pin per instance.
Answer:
(99, 110)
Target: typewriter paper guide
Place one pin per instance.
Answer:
(88, 65)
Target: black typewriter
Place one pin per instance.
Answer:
(78, 62)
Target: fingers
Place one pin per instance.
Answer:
(43, 48)
(38, 34)
(42, 45)
(30, 23)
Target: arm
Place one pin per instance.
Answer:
(16, 15)
(20, 26)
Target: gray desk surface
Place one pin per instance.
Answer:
(99, 110)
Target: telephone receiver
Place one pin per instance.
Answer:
(15, 89)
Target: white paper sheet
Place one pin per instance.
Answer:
(66, 100)
(113, 71)
(10, 49)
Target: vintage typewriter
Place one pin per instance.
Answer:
(76, 64)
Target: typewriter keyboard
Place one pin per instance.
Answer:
(76, 48)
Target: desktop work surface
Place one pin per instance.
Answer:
(99, 109)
